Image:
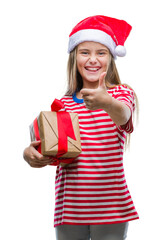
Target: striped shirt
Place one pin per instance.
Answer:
(93, 189)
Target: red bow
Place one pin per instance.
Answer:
(65, 130)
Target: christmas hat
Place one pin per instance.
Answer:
(108, 31)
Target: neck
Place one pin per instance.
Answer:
(90, 85)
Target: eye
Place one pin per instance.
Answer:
(101, 53)
(84, 53)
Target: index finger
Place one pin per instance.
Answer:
(86, 92)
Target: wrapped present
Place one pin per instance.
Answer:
(59, 134)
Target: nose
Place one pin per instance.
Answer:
(93, 59)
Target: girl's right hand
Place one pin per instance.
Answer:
(34, 158)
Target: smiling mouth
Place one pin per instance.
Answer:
(92, 69)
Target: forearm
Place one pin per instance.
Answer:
(118, 111)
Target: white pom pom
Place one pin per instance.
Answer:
(120, 51)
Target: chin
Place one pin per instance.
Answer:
(92, 79)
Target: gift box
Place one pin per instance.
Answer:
(59, 134)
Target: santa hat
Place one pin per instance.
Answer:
(108, 31)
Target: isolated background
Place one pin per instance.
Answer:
(33, 56)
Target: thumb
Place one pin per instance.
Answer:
(35, 143)
(102, 80)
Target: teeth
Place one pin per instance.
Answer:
(92, 69)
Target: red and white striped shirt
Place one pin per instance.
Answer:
(93, 189)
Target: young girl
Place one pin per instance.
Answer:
(92, 197)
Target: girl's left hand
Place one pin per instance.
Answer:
(95, 98)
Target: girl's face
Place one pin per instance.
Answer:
(92, 59)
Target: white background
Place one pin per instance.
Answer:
(33, 56)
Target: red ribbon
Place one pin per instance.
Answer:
(65, 127)
(65, 130)
(36, 132)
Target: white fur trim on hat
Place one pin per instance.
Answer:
(93, 35)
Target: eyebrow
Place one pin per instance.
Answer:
(103, 49)
(86, 49)
(83, 49)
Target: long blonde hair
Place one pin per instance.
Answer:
(112, 79)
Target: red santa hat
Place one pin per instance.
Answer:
(108, 31)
